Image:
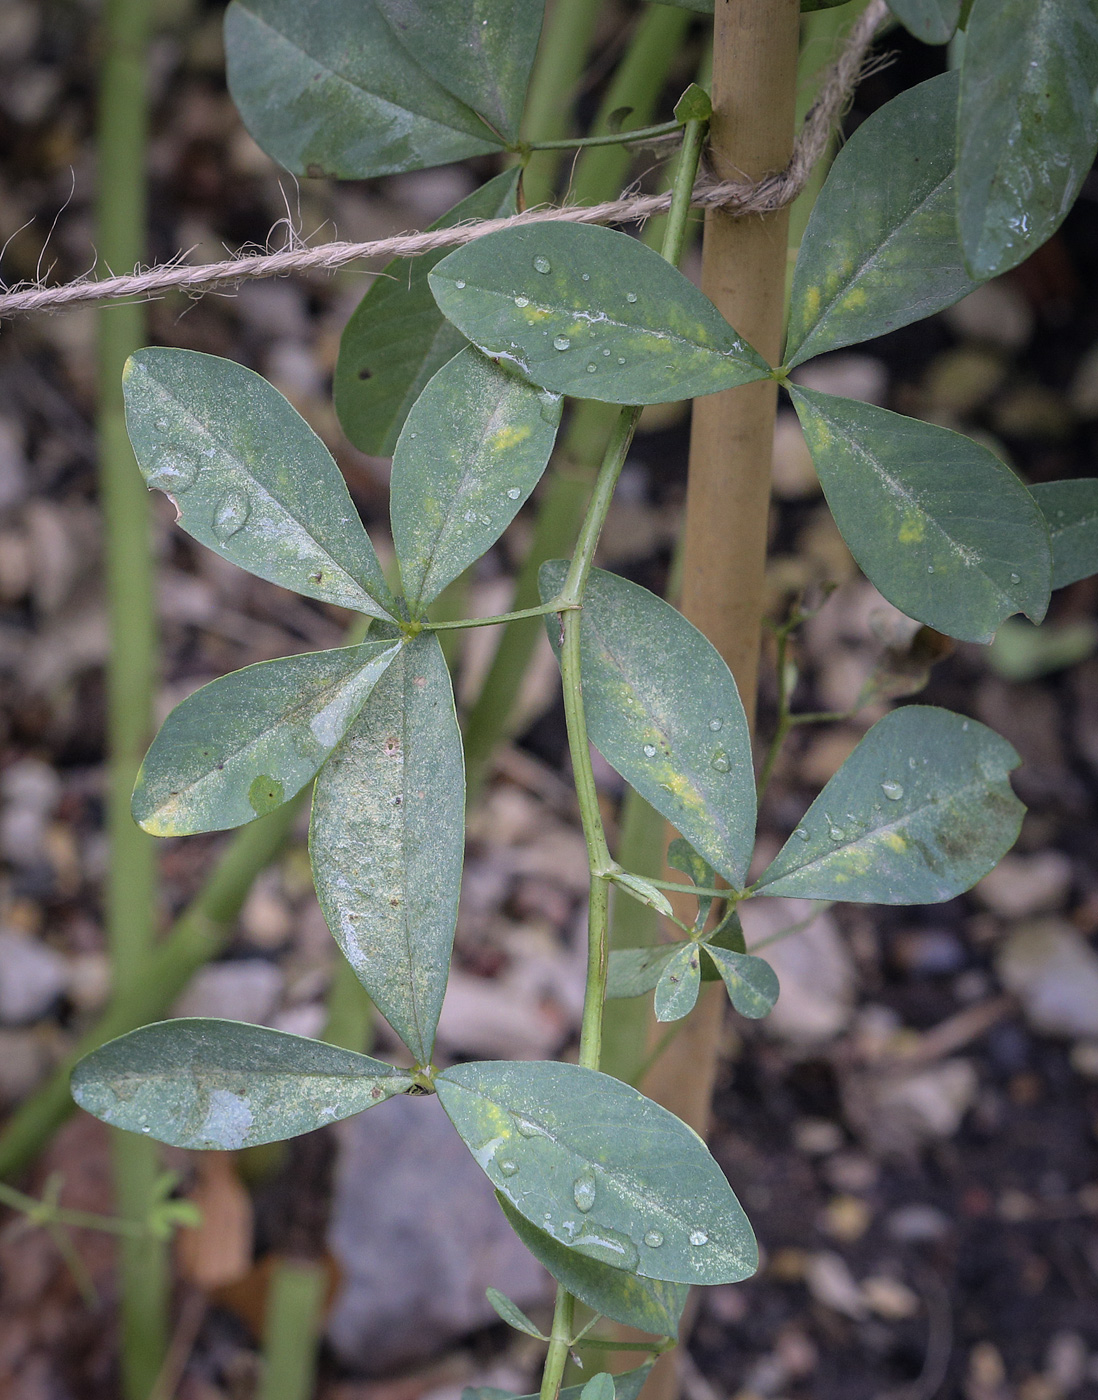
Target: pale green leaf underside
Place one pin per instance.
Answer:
(593, 313)
(512, 1314)
(752, 983)
(1070, 509)
(881, 248)
(249, 477)
(242, 745)
(634, 971)
(480, 51)
(330, 90)
(662, 707)
(920, 811)
(601, 1169)
(1027, 124)
(646, 1303)
(387, 841)
(945, 530)
(626, 1387)
(475, 445)
(932, 21)
(679, 984)
(397, 337)
(224, 1085)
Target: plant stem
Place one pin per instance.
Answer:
(198, 934)
(562, 54)
(42, 1213)
(131, 602)
(540, 611)
(291, 1330)
(598, 854)
(611, 138)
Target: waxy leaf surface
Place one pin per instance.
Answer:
(242, 745)
(679, 984)
(881, 248)
(932, 21)
(1070, 509)
(626, 1387)
(593, 313)
(1027, 124)
(662, 707)
(331, 90)
(387, 841)
(633, 971)
(475, 445)
(921, 810)
(224, 1085)
(480, 51)
(945, 530)
(647, 1303)
(601, 1169)
(751, 982)
(397, 337)
(512, 1314)
(249, 477)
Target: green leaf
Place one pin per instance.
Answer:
(204, 1083)
(628, 1387)
(242, 745)
(481, 51)
(331, 90)
(752, 983)
(1027, 125)
(932, 21)
(945, 530)
(387, 841)
(662, 707)
(679, 984)
(643, 890)
(601, 1169)
(512, 1314)
(681, 855)
(921, 810)
(1070, 509)
(695, 105)
(248, 477)
(728, 934)
(600, 1387)
(593, 313)
(397, 337)
(633, 971)
(475, 445)
(881, 247)
(648, 1304)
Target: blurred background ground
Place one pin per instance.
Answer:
(914, 1133)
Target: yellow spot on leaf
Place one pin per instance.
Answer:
(912, 529)
(509, 437)
(895, 841)
(854, 300)
(811, 303)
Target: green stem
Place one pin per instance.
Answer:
(42, 1213)
(562, 54)
(611, 138)
(560, 1344)
(540, 611)
(291, 1331)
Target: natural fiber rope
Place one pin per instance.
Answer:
(734, 196)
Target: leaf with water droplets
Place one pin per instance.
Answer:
(751, 982)
(249, 477)
(881, 248)
(1070, 509)
(641, 1170)
(945, 530)
(397, 337)
(344, 90)
(1027, 124)
(512, 1314)
(242, 745)
(932, 21)
(955, 819)
(653, 686)
(204, 1083)
(679, 984)
(635, 331)
(633, 971)
(475, 445)
(387, 841)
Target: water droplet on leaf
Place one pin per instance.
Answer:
(171, 471)
(585, 276)
(1016, 578)
(514, 493)
(460, 284)
(715, 725)
(801, 833)
(608, 1246)
(893, 791)
(542, 264)
(231, 515)
(630, 296)
(508, 1168)
(621, 359)
(719, 761)
(653, 1239)
(526, 1128)
(584, 1190)
(522, 301)
(699, 1237)
(561, 342)
(649, 750)
(591, 368)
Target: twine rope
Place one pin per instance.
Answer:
(736, 197)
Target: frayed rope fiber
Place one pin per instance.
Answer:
(736, 197)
